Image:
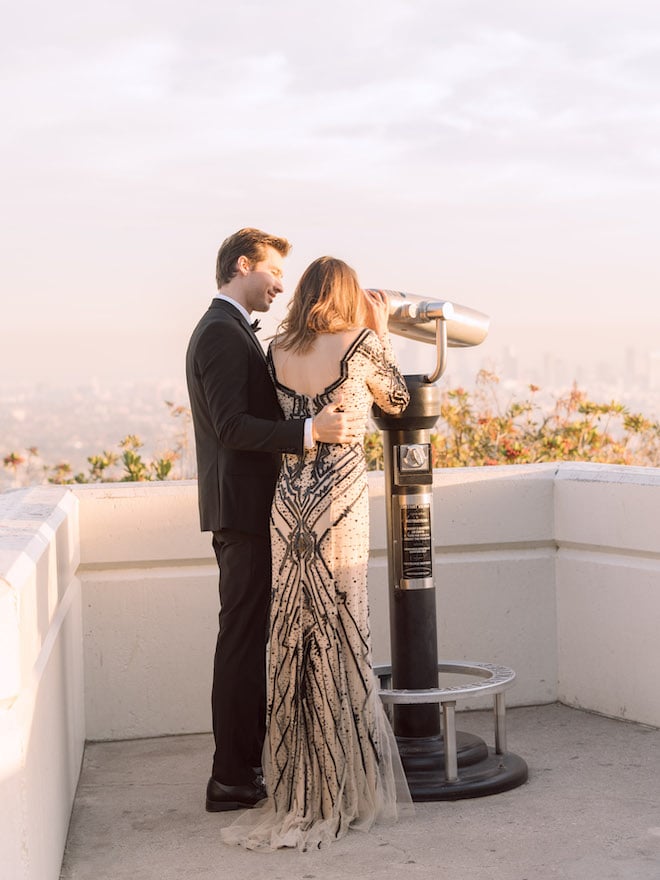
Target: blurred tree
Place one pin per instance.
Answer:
(474, 429)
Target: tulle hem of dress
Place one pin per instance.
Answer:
(389, 801)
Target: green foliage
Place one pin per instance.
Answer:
(99, 464)
(128, 465)
(475, 428)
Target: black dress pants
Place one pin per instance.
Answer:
(239, 671)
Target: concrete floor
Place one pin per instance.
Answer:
(590, 811)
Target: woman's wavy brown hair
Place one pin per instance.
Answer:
(327, 299)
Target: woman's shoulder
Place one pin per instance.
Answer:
(369, 340)
(275, 345)
(344, 338)
(337, 344)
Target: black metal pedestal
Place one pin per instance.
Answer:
(439, 764)
(481, 771)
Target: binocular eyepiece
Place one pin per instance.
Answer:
(415, 316)
(441, 323)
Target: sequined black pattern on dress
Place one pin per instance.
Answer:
(330, 759)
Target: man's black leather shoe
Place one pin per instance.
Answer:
(221, 797)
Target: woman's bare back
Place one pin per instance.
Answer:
(315, 370)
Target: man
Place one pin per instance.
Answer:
(239, 435)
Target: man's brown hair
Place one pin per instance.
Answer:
(250, 243)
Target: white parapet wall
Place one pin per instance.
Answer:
(608, 589)
(42, 730)
(150, 593)
(150, 610)
(523, 558)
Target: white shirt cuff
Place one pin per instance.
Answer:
(309, 437)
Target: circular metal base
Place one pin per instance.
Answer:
(426, 754)
(481, 771)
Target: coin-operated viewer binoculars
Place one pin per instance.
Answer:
(440, 764)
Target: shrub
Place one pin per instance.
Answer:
(474, 429)
(479, 429)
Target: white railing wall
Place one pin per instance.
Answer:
(150, 612)
(513, 562)
(150, 587)
(608, 589)
(42, 731)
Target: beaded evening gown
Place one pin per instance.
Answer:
(330, 758)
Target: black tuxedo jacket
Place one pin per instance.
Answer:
(239, 428)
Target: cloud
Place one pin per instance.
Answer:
(416, 82)
(510, 135)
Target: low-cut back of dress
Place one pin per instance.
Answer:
(330, 758)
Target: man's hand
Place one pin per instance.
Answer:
(333, 425)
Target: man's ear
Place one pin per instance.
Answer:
(243, 265)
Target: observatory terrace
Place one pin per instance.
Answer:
(108, 610)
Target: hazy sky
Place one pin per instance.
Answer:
(505, 155)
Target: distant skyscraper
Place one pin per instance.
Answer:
(509, 363)
(630, 366)
(654, 371)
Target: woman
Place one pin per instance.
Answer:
(330, 759)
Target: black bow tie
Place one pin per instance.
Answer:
(255, 325)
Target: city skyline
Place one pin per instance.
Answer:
(501, 157)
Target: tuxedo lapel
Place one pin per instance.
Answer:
(231, 312)
(250, 332)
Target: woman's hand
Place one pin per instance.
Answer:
(378, 311)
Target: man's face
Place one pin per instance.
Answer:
(264, 281)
